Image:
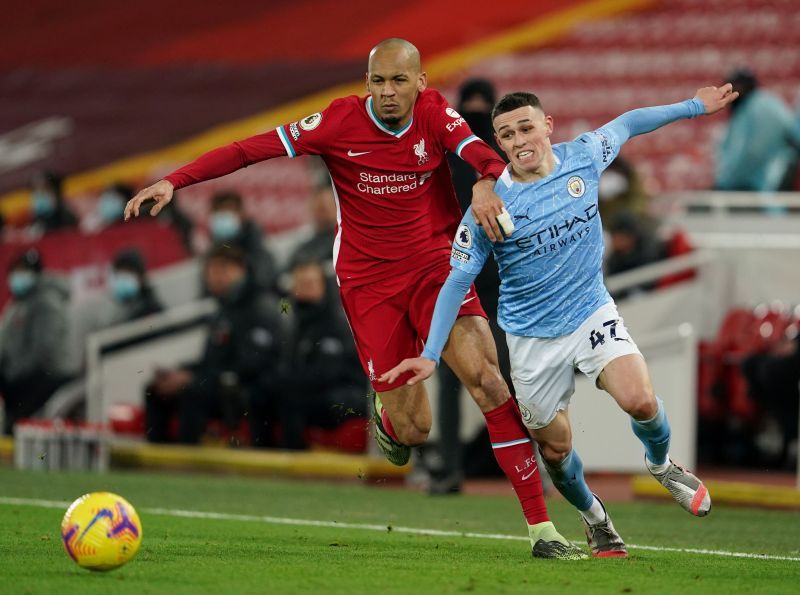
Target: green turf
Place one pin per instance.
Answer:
(191, 555)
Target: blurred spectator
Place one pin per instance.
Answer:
(621, 189)
(50, 212)
(229, 225)
(129, 296)
(111, 205)
(476, 100)
(244, 343)
(759, 149)
(632, 245)
(130, 287)
(34, 359)
(319, 247)
(774, 383)
(322, 382)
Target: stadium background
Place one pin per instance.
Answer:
(106, 92)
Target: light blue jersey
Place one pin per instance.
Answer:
(551, 265)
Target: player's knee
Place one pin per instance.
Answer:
(640, 402)
(490, 390)
(554, 452)
(412, 431)
(411, 435)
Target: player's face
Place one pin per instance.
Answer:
(524, 136)
(394, 82)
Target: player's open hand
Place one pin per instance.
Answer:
(716, 98)
(421, 367)
(486, 207)
(161, 192)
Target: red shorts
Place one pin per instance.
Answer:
(390, 319)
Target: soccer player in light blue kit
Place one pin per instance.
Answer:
(554, 306)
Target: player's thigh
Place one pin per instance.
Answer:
(555, 439)
(543, 376)
(608, 355)
(382, 330)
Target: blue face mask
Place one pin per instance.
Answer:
(21, 282)
(111, 207)
(225, 225)
(44, 203)
(125, 286)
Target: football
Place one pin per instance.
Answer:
(101, 531)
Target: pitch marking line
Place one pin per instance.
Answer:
(223, 516)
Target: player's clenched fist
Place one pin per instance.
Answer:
(161, 192)
(715, 98)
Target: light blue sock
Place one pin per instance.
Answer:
(568, 479)
(654, 434)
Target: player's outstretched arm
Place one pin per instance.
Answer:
(708, 100)
(161, 192)
(421, 367)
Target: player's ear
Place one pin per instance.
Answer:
(548, 122)
(422, 81)
(366, 82)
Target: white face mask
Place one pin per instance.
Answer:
(225, 225)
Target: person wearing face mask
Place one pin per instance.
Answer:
(111, 206)
(50, 212)
(34, 359)
(321, 379)
(229, 224)
(130, 287)
(244, 343)
(128, 296)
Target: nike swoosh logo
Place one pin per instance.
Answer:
(466, 301)
(350, 153)
(529, 475)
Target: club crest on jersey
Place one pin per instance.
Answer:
(311, 122)
(527, 416)
(452, 113)
(464, 236)
(576, 186)
(419, 151)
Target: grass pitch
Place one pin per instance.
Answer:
(223, 534)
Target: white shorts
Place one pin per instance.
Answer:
(543, 370)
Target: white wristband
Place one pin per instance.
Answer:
(505, 222)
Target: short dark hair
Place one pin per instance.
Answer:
(512, 101)
(228, 252)
(226, 198)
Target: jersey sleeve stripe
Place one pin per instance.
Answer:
(464, 143)
(285, 141)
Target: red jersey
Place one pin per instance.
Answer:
(396, 208)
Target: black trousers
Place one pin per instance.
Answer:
(26, 396)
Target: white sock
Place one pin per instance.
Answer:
(658, 468)
(595, 514)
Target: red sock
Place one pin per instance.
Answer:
(513, 449)
(387, 425)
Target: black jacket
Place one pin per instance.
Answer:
(321, 354)
(250, 240)
(245, 340)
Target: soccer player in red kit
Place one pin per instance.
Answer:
(397, 213)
